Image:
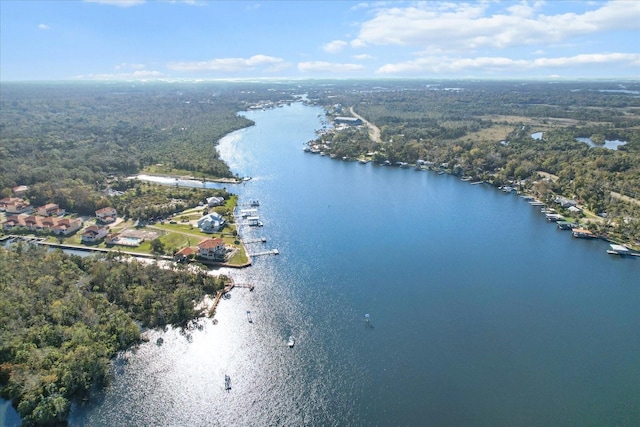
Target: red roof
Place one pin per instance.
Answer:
(211, 243)
(186, 251)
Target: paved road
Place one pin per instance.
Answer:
(374, 131)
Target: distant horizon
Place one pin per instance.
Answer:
(339, 79)
(141, 40)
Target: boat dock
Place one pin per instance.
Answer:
(259, 240)
(269, 252)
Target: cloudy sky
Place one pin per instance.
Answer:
(195, 39)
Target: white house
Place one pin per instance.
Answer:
(211, 222)
(94, 233)
(215, 201)
(107, 215)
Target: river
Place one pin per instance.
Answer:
(481, 312)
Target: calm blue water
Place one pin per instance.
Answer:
(611, 144)
(482, 313)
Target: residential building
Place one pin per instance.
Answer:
(20, 190)
(106, 215)
(213, 249)
(183, 254)
(50, 209)
(94, 233)
(353, 121)
(60, 226)
(17, 207)
(215, 201)
(211, 222)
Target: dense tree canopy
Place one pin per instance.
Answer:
(62, 318)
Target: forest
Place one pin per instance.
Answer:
(66, 140)
(63, 317)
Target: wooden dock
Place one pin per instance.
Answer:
(270, 252)
(260, 240)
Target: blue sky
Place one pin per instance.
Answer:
(173, 39)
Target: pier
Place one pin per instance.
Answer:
(270, 252)
(260, 240)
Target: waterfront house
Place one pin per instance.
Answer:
(583, 233)
(215, 201)
(564, 202)
(184, 254)
(106, 215)
(60, 226)
(13, 221)
(211, 222)
(94, 233)
(212, 249)
(66, 226)
(50, 209)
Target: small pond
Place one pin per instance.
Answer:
(610, 144)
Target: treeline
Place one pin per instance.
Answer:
(62, 318)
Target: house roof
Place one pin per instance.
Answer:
(186, 251)
(210, 243)
(105, 211)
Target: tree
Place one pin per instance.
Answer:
(157, 247)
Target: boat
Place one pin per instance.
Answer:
(291, 341)
(227, 382)
(249, 317)
(366, 318)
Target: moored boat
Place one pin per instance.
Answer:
(291, 341)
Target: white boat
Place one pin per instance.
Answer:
(227, 382)
(291, 341)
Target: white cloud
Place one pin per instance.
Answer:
(136, 75)
(331, 67)
(464, 26)
(119, 3)
(229, 64)
(489, 65)
(363, 57)
(127, 66)
(334, 46)
(43, 27)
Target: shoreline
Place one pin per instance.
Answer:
(176, 180)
